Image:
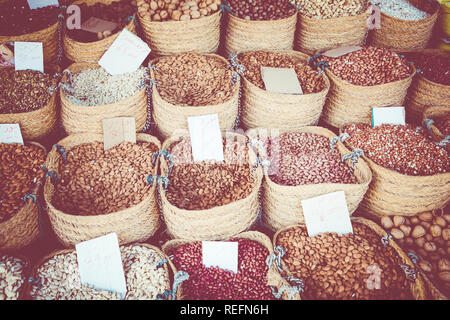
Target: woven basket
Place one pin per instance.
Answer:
(245, 35)
(404, 36)
(211, 224)
(137, 223)
(88, 119)
(22, 228)
(348, 103)
(314, 36)
(435, 113)
(418, 290)
(91, 51)
(284, 111)
(282, 205)
(169, 117)
(172, 37)
(392, 193)
(273, 276)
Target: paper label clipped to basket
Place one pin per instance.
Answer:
(10, 133)
(125, 54)
(281, 80)
(206, 137)
(327, 213)
(100, 264)
(28, 55)
(388, 115)
(96, 25)
(334, 53)
(222, 254)
(118, 130)
(36, 4)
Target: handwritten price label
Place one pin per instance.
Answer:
(206, 138)
(28, 55)
(10, 133)
(118, 130)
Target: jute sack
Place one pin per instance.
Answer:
(274, 278)
(403, 36)
(285, 111)
(137, 223)
(392, 193)
(417, 287)
(169, 117)
(77, 51)
(282, 204)
(23, 227)
(88, 119)
(216, 223)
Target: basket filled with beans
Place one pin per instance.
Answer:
(259, 25)
(437, 120)
(147, 276)
(192, 84)
(324, 25)
(13, 276)
(362, 265)
(209, 200)
(405, 25)
(21, 175)
(301, 164)
(176, 26)
(81, 45)
(20, 23)
(411, 174)
(93, 94)
(90, 192)
(256, 279)
(28, 97)
(363, 79)
(261, 108)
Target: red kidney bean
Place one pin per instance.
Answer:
(434, 68)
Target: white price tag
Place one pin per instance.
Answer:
(96, 25)
(327, 213)
(125, 54)
(118, 130)
(388, 115)
(10, 133)
(206, 138)
(281, 80)
(36, 4)
(222, 254)
(334, 53)
(100, 264)
(28, 55)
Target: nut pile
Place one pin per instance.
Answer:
(94, 87)
(326, 9)
(177, 10)
(433, 67)
(20, 169)
(253, 61)
(304, 158)
(207, 283)
(94, 181)
(344, 267)
(24, 90)
(401, 9)
(58, 278)
(400, 148)
(428, 236)
(261, 9)
(12, 277)
(208, 184)
(16, 18)
(369, 66)
(191, 79)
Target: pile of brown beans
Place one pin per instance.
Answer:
(369, 66)
(177, 10)
(261, 9)
(326, 9)
(95, 182)
(191, 79)
(206, 283)
(309, 80)
(20, 169)
(400, 148)
(354, 266)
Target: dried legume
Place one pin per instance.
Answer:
(401, 9)
(325, 9)
(443, 125)
(177, 10)
(261, 9)
(12, 277)
(434, 68)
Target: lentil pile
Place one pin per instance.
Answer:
(253, 61)
(20, 169)
(399, 148)
(401, 9)
(177, 10)
(344, 267)
(306, 158)
(58, 278)
(206, 283)
(94, 87)
(95, 182)
(326, 9)
(369, 66)
(12, 277)
(191, 79)
(261, 9)
(24, 90)
(433, 67)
